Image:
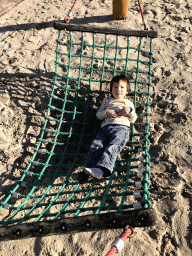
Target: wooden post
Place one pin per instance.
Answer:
(120, 9)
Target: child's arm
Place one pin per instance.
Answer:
(111, 113)
(132, 114)
(129, 111)
(125, 111)
(101, 113)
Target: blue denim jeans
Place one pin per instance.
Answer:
(106, 146)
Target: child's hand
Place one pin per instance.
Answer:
(124, 111)
(111, 113)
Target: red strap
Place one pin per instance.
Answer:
(142, 15)
(128, 232)
(67, 18)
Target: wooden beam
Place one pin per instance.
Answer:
(113, 220)
(105, 30)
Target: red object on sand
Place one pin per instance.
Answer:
(142, 15)
(128, 232)
(67, 19)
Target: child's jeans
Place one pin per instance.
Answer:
(107, 145)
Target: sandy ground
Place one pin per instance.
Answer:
(27, 43)
(7, 5)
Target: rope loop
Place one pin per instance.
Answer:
(145, 181)
(147, 172)
(145, 192)
(148, 202)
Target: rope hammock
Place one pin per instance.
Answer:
(46, 200)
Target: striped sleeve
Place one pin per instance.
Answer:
(132, 115)
(101, 113)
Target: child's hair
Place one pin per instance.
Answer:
(116, 79)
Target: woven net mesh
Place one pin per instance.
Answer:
(85, 64)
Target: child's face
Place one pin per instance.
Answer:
(119, 89)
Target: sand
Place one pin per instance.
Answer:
(27, 44)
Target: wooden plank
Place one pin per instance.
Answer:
(135, 218)
(105, 30)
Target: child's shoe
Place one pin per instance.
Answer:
(94, 172)
(80, 176)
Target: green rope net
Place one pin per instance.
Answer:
(85, 65)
